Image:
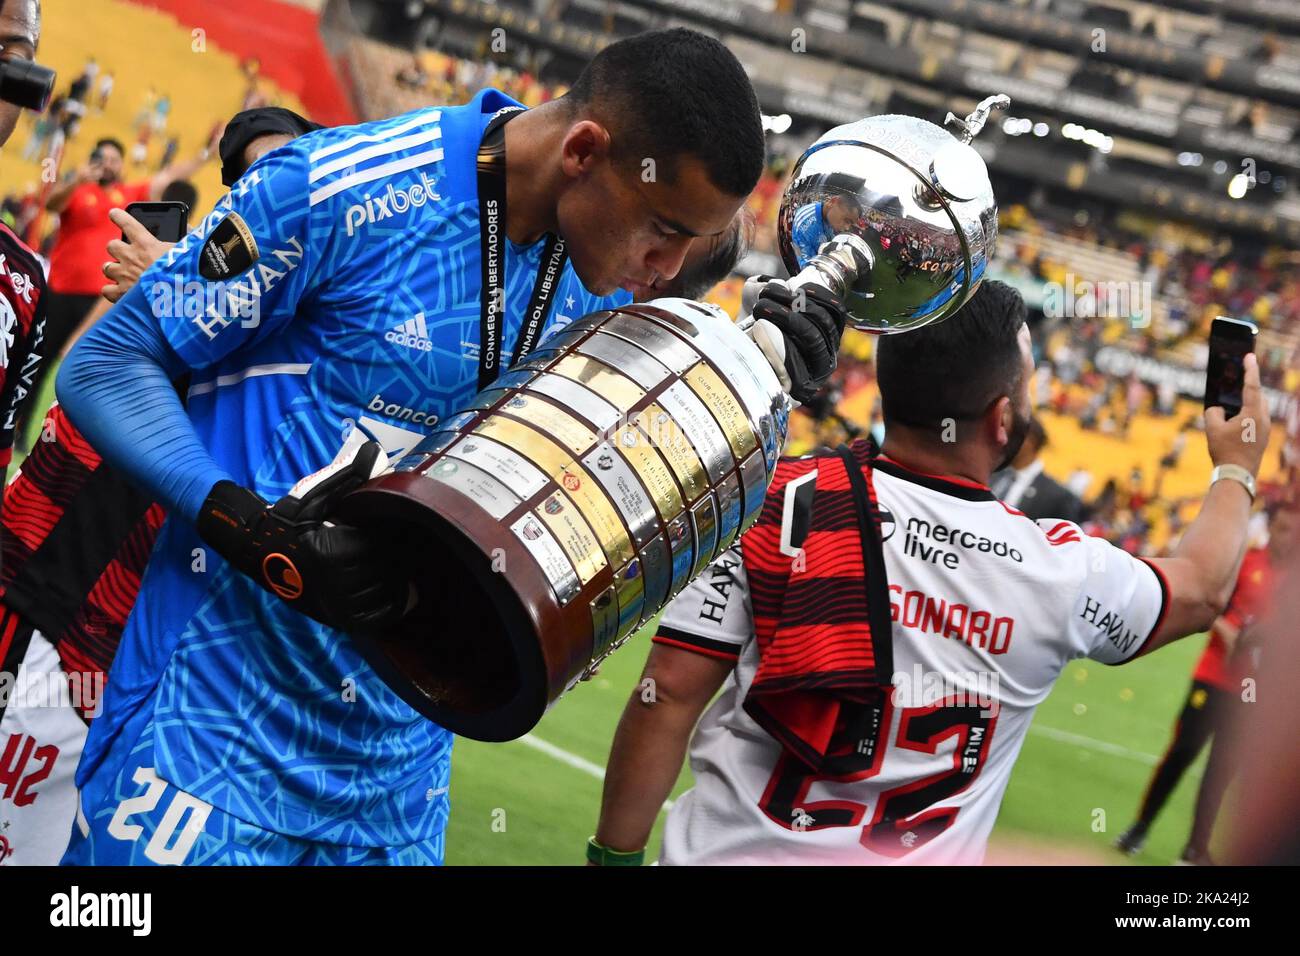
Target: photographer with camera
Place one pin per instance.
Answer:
(22, 281)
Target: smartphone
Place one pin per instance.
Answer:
(1231, 340)
(166, 221)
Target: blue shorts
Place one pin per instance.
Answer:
(139, 819)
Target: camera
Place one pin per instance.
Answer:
(26, 83)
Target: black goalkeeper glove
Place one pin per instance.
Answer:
(336, 574)
(799, 334)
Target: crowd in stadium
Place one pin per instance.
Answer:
(1193, 274)
(1193, 277)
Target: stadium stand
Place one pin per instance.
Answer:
(1173, 236)
(283, 36)
(109, 32)
(1188, 254)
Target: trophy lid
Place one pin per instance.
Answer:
(917, 194)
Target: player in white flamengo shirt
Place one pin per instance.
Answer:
(987, 608)
(1045, 607)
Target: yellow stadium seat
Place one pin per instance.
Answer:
(145, 50)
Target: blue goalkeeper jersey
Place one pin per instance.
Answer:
(809, 230)
(336, 287)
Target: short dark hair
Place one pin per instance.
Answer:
(672, 93)
(181, 190)
(955, 368)
(731, 247)
(110, 141)
(843, 186)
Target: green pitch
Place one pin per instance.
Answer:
(1084, 765)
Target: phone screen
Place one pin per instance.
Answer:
(1231, 340)
(166, 221)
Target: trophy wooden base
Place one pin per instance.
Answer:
(468, 656)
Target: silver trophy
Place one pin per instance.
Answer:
(894, 214)
(567, 505)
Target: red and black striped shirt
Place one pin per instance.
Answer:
(76, 538)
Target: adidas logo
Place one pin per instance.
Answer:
(411, 334)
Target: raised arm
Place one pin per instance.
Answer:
(185, 169)
(60, 195)
(1202, 572)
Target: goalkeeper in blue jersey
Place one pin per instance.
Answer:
(355, 282)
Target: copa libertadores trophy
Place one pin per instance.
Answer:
(572, 500)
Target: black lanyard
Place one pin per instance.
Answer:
(492, 238)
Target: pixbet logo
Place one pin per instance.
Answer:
(392, 203)
(21, 281)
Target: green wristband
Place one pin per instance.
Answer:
(604, 856)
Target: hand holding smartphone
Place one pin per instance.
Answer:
(148, 230)
(1231, 340)
(165, 221)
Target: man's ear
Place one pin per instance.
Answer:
(585, 145)
(999, 421)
